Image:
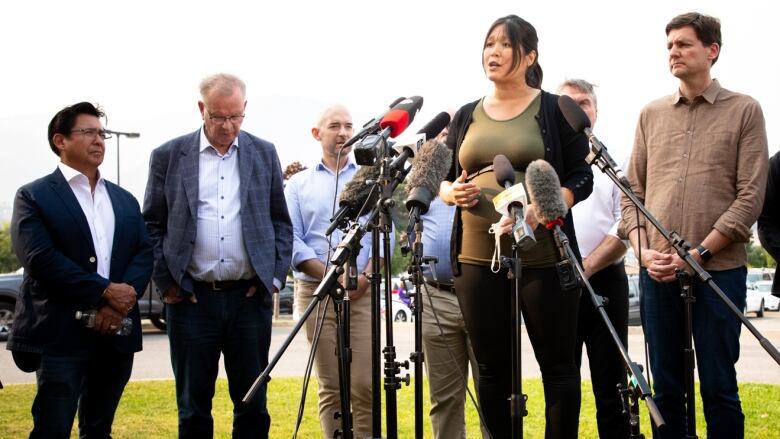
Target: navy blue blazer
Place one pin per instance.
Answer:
(51, 237)
(171, 208)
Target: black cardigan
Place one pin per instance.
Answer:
(564, 149)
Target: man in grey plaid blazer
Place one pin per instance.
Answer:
(217, 216)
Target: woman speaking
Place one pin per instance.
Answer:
(522, 122)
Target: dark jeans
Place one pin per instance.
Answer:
(607, 368)
(224, 322)
(716, 341)
(92, 382)
(550, 317)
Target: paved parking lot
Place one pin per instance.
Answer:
(755, 365)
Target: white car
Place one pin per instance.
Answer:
(400, 312)
(755, 302)
(771, 302)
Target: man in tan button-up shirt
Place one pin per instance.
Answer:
(700, 164)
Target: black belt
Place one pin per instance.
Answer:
(445, 287)
(219, 285)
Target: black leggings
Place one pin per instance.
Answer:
(550, 317)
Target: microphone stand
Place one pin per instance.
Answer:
(517, 400)
(389, 179)
(681, 247)
(567, 254)
(417, 357)
(601, 159)
(348, 248)
(689, 355)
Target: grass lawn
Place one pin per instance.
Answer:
(148, 410)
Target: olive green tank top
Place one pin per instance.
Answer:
(520, 140)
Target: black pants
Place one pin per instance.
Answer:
(607, 368)
(551, 321)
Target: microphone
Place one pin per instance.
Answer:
(579, 121)
(393, 123)
(355, 194)
(429, 169)
(512, 201)
(544, 188)
(401, 115)
(372, 125)
(429, 131)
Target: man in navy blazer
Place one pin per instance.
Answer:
(216, 213)
(84, 246)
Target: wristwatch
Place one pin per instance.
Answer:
(705, 254)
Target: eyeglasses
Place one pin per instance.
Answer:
(93, 132)
(222, 119)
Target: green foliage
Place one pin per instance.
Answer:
(758, 257)
(8, 260)
(148, 409)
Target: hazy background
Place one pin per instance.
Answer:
(142, 62)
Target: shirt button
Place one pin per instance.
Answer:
(680, 179)
(685, 156)
(92, 259)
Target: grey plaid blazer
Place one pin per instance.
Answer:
(171, 207)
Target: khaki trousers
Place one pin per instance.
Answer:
(326, 362)
(446, 379)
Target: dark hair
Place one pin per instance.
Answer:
(522, 36)
(707, 28)
(65, 119)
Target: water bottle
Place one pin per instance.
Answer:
(88, 317)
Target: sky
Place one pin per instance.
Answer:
(142, 62)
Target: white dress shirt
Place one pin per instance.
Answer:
(219, 252)
(598, 215)
(99, 212)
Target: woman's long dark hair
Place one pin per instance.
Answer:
(522, 36)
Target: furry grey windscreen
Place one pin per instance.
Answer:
(356, 191)
(544, 190)
(430, 167)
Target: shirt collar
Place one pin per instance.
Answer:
(204, 142)
(70, 174)
(709, 94)
(350, 165)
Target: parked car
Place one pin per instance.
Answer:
(759, 274)
(634, 318)
(9, 291)
(286, 298)
(149, 304)
(771, 301)
(754, 302)
(400, 312)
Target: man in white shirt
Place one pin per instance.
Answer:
(84, 247)
(596, 222)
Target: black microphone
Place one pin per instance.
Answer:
(393, 123)
(372, 125)
(356, 193)
(505, 176)
(429, 169)
(579, 121)
(429, 131)
(544, 189)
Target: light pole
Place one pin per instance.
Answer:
(119, 134)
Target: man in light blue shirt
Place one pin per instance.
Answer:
(311, 196)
